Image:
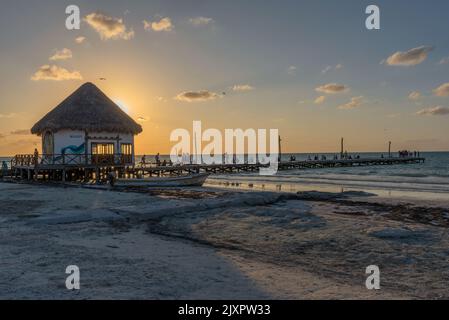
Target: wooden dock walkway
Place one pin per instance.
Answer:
(83, 173)
(291, 165)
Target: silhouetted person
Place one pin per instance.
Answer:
(36, 157)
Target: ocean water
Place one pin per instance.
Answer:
(7, 159)
(429, 179)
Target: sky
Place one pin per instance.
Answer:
(308, 68)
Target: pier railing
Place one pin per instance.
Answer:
(31, 160)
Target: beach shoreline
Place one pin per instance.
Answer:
(232, 244)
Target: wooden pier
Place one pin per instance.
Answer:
(80, 170)
(292, 165)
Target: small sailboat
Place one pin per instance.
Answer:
(193, 180)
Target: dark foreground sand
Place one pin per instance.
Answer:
(217, 244)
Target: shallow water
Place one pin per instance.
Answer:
(429, 180)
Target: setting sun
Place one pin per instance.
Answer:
(124, 106)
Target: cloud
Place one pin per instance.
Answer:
(442, 91)
(434, 111)
(329, 68)
(332, 88)
(2, 136)
(109, 27)
(354, 103)
(7, 116)
(414, 95)
(292, 70)
(444, 61)
(161, 99)
(411, 57)
(191, 96)
(47, 72)
(326, 70)
(164, 24)
(242, 87)
(143, 119)
(201, 21)
(393, 115)
(320, 100)
(23, 132)
(63, 54)
(80, 40)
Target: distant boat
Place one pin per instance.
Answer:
(193, 180)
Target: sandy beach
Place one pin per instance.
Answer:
(210, 243)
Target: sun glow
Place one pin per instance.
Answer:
(122, 105)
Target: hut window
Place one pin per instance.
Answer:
(126, 148)
(103, 148)
(103, 153)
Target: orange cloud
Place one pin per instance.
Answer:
(55, 73)
(109, 27)
(411, 57)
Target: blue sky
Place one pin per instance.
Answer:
(282, 50)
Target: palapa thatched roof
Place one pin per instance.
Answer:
(88, 108)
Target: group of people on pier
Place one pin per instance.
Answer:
(158, 162)
(408, 154)
(344, 156)
(28, 159)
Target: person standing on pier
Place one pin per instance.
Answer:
(143, 161)
(36, 157)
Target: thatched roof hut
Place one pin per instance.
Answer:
(87, 109)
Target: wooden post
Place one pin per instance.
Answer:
(280, 149)
(97, 175)
(342, 145)
(86, 142)
(389, 149)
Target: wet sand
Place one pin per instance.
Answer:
(205, 243)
